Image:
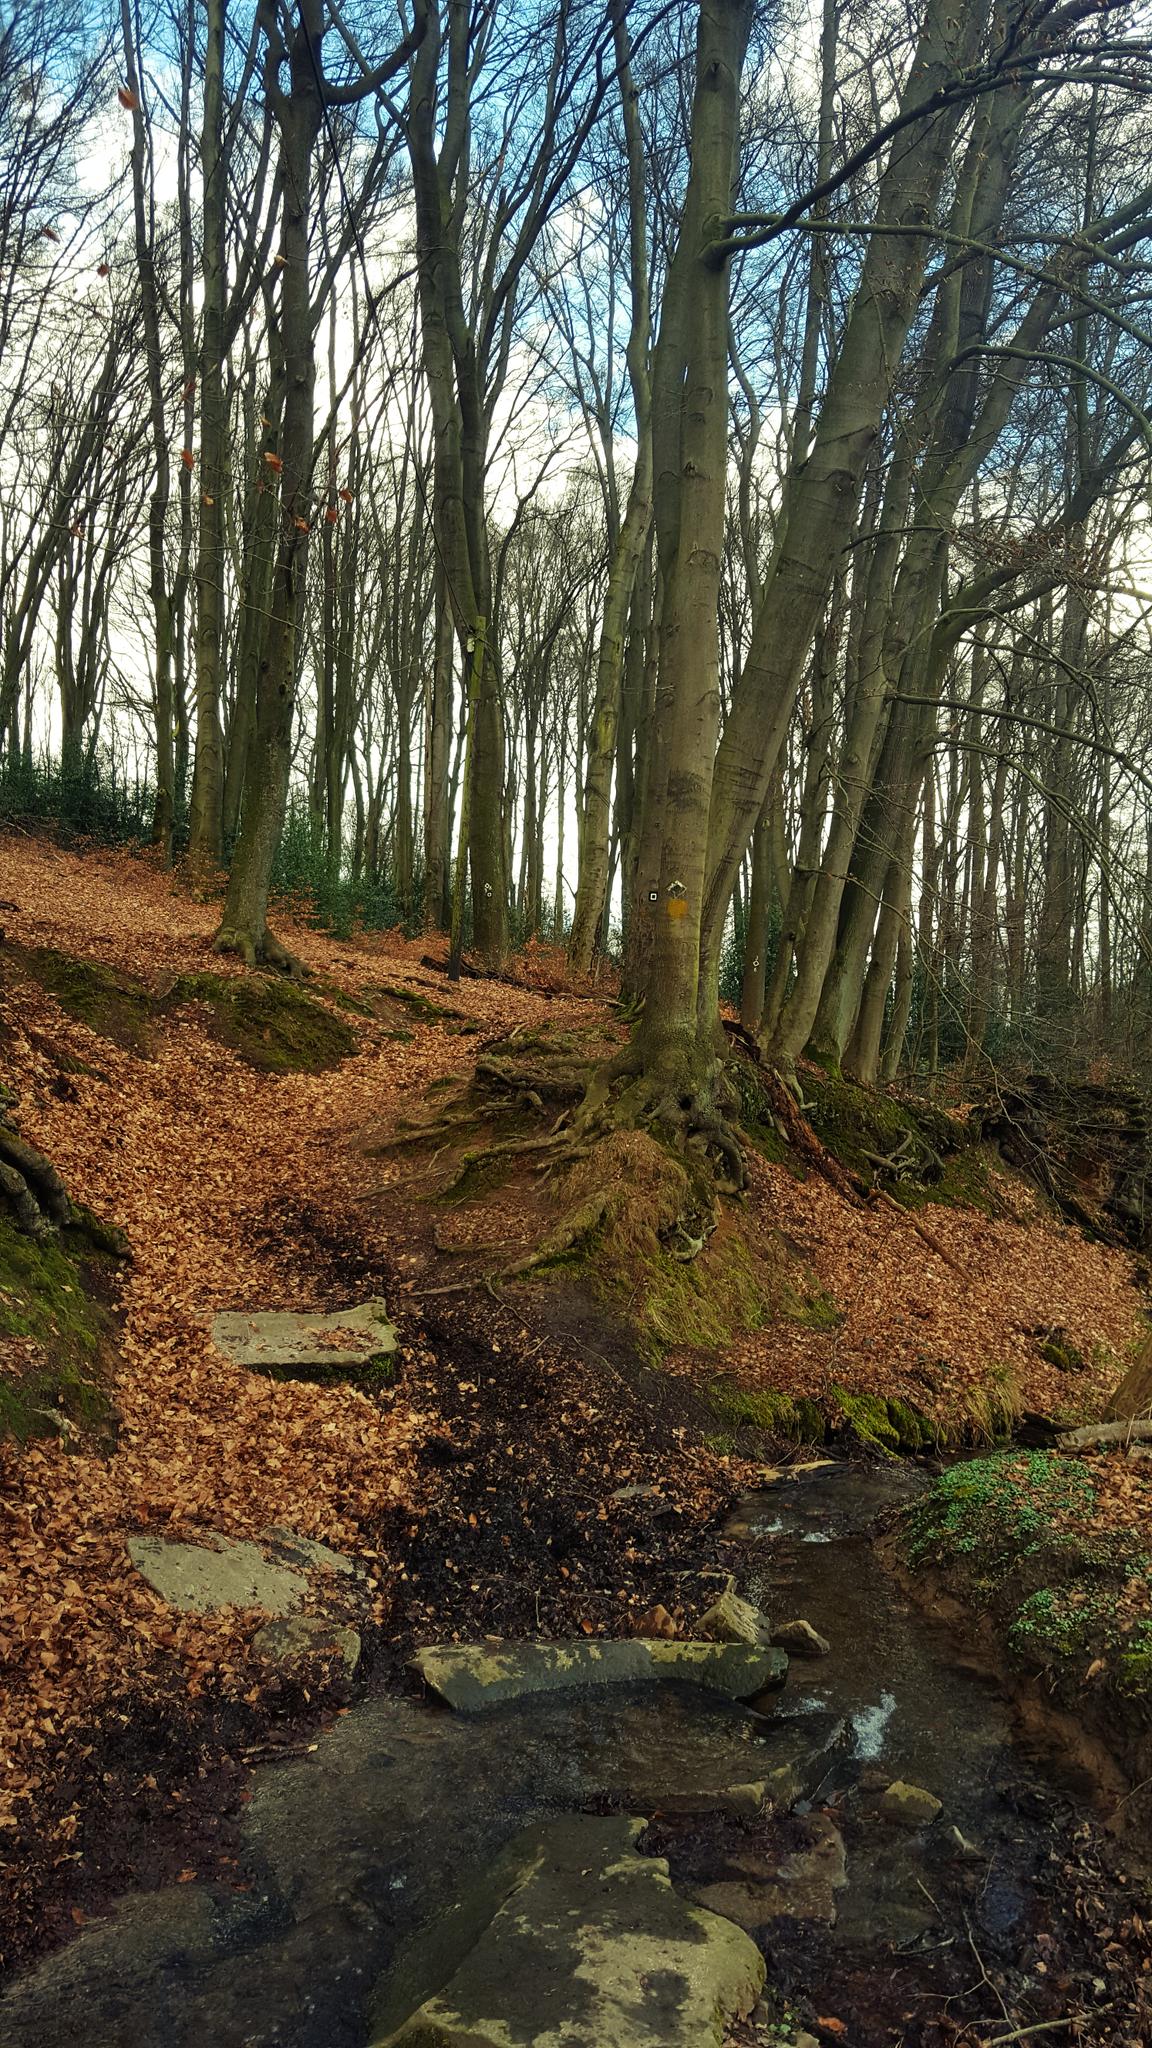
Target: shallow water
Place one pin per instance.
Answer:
(370, 1853)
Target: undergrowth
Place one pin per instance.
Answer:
(1042, 1540)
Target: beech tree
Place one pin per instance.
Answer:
(567, 478)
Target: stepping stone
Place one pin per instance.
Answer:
(588, 1945)
(307, 1552)
(909, 1806)
(353, 1344)
(731, 1619)
(198, 1578)
(474, 1676)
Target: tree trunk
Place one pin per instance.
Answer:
(593, 878)
(244, 927)
(671, 1050)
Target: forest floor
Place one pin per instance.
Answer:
(484, 1487)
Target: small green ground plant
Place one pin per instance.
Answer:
(1038, 1539)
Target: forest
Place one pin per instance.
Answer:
(575, 993)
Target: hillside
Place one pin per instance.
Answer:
(239, 1132)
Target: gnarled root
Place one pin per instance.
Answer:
(684, 1115)
(31, 1186)
(267, 953)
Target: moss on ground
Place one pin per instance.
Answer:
(420, 1006)
(269, 1022)
(1022, 1534)
(776, 1414)
(52, 1379)
(112, 1004)
(704, 1302)
(893, 1427)
(940, 1158)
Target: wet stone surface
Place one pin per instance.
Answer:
(369, 1863)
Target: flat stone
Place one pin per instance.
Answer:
(800, 1639)
(342, 1345)
(801, 1886)
(733, 1620)
(591, 1946)
(220, 1573)
(303, 1635)
(111, 1969)
(909, 1806)
(473, 1676)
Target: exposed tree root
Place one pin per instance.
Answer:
(422, 1134)
(31, 1186)
(269, 952)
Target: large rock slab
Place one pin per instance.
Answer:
(591, 1948)
(474, 1676)
(349, 1344)
(218, 1573)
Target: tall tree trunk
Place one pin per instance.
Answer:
(592, 884)
(244, 926)
(206, 817)
(164, 813)
(677, 1060)
(438, 727)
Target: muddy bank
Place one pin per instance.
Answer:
(1043, 1557)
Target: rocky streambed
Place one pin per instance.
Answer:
(617, 1858)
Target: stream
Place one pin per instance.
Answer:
(366, 1858)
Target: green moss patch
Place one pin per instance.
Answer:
(891, 1426)
(414, 1004)
(268, 1021)
(911, 1149)
(112, 1004)
(53, 1335)
(1058, 1550)
(776, 1414)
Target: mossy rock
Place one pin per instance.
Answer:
(58, 1335)
(269, 1022)
(110, 1003)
